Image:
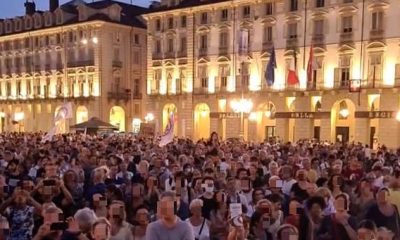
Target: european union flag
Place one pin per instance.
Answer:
(270, 71)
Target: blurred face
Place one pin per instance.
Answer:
(116, 212)
(142, 216)
(166, 208)
(196, 210)
(365, 234)
(316, 210)
(301, 175)
(258, 195)
(289, 234)
(101, 232)
(340, 204)
(382, 197)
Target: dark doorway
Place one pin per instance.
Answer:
(317, 132)
(342, 134)
(372, 132)
(269, 132)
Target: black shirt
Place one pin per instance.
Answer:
(208, 206)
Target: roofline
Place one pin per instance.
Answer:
(155, 12)
(61, 28)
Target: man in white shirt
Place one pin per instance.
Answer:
(288, 181)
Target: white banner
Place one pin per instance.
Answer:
(65, 112)
(168, 135)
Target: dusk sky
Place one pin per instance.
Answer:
(11, 8)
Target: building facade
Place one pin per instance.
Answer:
(207, 61)
(90, 54)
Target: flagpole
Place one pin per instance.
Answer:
(305, 32)
(361, 52)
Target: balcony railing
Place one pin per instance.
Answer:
(292, 43)
(137, 95)
(82, 63)
(117, 63)
(200, 90)
(182, 54)
(170, 55)
(203, 52)
(221, 89)
(346, 37)
(157, 56)
(341, 84)
(267, 46)
(318, 40)
(120, 94)
(223, 50)
(376, 34)
(315, 85)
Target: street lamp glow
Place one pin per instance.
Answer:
(203, 113)
(19, 116)
(149, 117)
(398, 116)
(242, 106)
(268, 113)
(253, 116)
(84, 41)
(344, 112)
(95, 40)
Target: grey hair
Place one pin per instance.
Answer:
(85, 216)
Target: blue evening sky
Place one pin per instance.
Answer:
(11, 8)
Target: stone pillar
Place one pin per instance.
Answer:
(361, 131)
(282, 129)
(388, 129)
(232, 127)
(252, 131)
(303, 129)
(326, 130)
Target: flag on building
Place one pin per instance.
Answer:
(293, 79)
(244, 41)
(168, 135)
(65, 112)
(270, 70)
(311, 65)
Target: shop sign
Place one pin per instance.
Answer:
(303, 115)
(375, 114)
(224, 115)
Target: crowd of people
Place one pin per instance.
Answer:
(125, 187)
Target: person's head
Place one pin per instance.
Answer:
(168, 206)
(257, 195)
(101, 229)
(325, 193)
(273, 168)
(301, 175)
(287, 232)
(117, 213)
(287, 172)
(195, 207)
(384, 234)
(335, 182)
(366, 230)
(142, 216)
(52, 214)
(315, 205)
(85, 218)
(382, 196)
(276, 201)
(20, 199)
(70, 178)
(295, 208)
(342, 202)
(208, 184)
(231, 184)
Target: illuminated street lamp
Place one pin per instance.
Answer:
(242, 106)
(253, 116)
(344, 113)
(149, 117)
(398, 116)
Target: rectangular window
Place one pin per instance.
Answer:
(170, 23)
(183, 44)
(377, 20)
(136, 87)
(224, 74)
(319, 3)
(223, 40)
(246, 11)
(203, 76)
(268, 8)
(292, 31)
(136, 37)
(116, 54)
(136, 57)
(203, 41)
(204, 18)
(158, 46)
(293, 5)
(267, 34)
(158, 25)
(347, 24)
(183, 21)
(170, 45)
(224, 14)
(318, 27)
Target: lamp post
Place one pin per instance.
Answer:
(242, 106)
